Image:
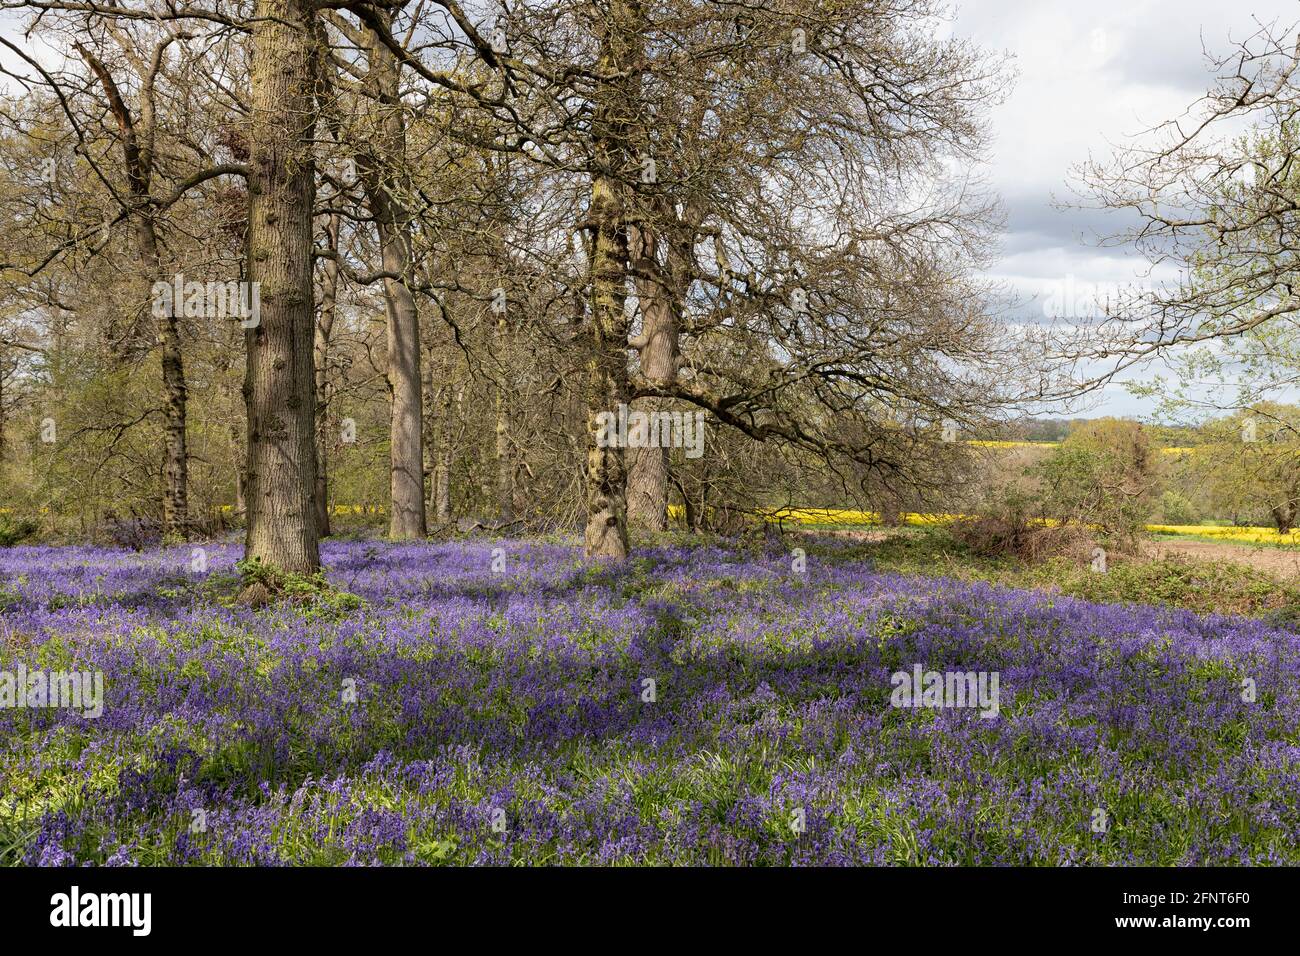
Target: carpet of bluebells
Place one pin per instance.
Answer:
(451, 713)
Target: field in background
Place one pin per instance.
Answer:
(847, 519)
(1229, 579)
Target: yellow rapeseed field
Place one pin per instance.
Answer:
(844, 517)
(831, 517)
(1239, 535)
(984, 443)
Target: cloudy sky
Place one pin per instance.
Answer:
(1090, 75)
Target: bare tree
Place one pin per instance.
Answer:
(1211, 199)
(137, 140)
(382, 168)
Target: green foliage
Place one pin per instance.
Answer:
(313, 593)
(1106, 475)
(1176, 508)
(14, 530)
(1250, 466)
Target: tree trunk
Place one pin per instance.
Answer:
(279, 382)
(1284, 516)
(406, 429)
(442, 470)
(891, 509)
(176, 519)
(176, 505)
(657, 344)
(239, 444)
(320, 351)
(607, 380)
(505, 466)
(428, 402)
(4, 421)
(382, 171)
(607, 386)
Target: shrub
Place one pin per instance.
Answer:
(1177, 509)
(1106, 476)
(134, 533)
(1011, 528)
(311, 593)
(13, 530)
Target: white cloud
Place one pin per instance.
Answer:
(1090, 76)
